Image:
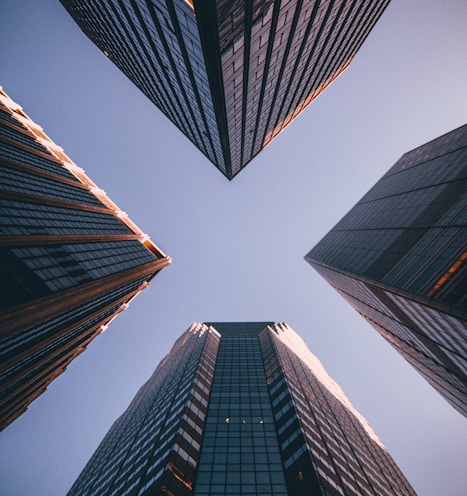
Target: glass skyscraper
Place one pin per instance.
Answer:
(70, 260)
(229, 74)
(399, 258)
(240, 409)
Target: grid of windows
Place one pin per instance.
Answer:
(231, 75)
(43, 331)
(66, 265)
(241, 409)
(19, 136)
(155, 443)
(55, 292)
(413, 334)
(157, 46)
(409, 226)
(291, 53)
(240, 451)
(29, 359)
(16, 180)
(317, 423)
(445, 330)
(22, 218)
(399, 258)
(17, 155)
(55, 355)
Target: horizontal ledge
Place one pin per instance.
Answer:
(64, 239)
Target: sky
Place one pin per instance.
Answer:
(238, 247)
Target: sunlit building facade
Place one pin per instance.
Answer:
(70, 261)
(399, 258)
(231, 75)
(241, 409)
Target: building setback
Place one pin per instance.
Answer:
(70, 260)
(241, 409)
(230, 74)
(399, 258)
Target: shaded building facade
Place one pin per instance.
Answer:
(241, 409)
(70, 260)
(229, 74)
(399, 258)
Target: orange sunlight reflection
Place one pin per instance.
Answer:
(448, 274)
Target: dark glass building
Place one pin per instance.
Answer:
(399, 258)
(229, 74)
(241, 409)
(70, 260)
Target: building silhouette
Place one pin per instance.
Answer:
(70, 260)
(231, 75)
(242, 409)
(399, 258)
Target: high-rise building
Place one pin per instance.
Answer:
(230, 74)
(399, 258)
(70, 260)
(241, 409)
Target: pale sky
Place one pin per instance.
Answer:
(238, 247)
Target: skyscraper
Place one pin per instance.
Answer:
(229, 74)
(399, 258)
(70, 260)
(241, 409)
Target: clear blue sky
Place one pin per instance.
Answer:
(238, 247)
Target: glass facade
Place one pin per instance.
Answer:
(240, 450)
(328, 448)
(240, 409)
(229, 74)
(399, 257)
(70, 260)
(153, 448)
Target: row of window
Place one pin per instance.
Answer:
(23, 182)
(14, 344)
(21, 218)
(22, 157)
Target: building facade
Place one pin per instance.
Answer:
(399, 258)
(229, 74)
(241, 409)
(70, 261)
